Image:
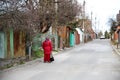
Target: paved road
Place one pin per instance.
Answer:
(95, 60)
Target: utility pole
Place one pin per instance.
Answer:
(95, 24)
(91, 18)
(95, 27)
(83, 16)
(56, 24)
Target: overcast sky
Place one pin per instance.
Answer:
(102, 10)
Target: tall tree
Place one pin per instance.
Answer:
(100, 34)
(107, 36)
(37, 15)
(113, 24)
(67, 11)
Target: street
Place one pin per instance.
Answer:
(94, 60)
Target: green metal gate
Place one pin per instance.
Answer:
(72, 39)
(2, 46)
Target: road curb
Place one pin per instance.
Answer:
(40, 60)
(115, 49)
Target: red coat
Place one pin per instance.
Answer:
(47, 46)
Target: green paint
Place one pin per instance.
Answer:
(5, 45)
(72, 39)
(11, 43)
(2, 41)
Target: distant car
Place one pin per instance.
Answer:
(102, 37)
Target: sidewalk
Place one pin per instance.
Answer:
(38, 60)
(117, 50)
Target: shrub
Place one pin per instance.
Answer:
(39, 53)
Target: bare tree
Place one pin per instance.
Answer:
(36, 15)
(46, 14)
(67, 11)
(10, 16)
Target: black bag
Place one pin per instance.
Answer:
(51, 58)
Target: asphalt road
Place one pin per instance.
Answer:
(95, 60)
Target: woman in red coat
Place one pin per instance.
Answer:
(47, 47)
